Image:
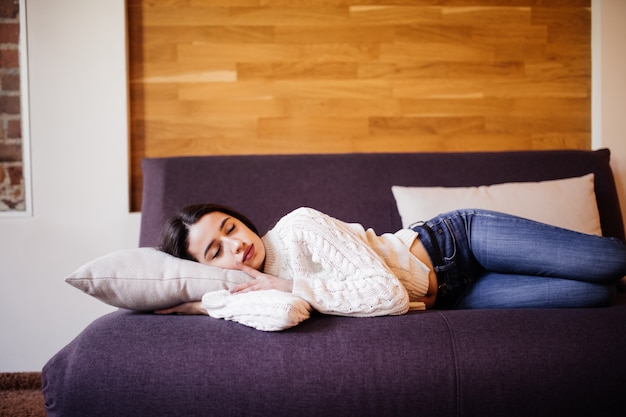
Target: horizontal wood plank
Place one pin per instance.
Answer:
(325, 76)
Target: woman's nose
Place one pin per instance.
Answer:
(235, 245)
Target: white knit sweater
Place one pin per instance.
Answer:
(343, 269)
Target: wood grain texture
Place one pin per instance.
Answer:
(321, 76)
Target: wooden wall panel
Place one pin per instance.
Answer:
(320, 76)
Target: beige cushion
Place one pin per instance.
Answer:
(147, 279)
(569, 203)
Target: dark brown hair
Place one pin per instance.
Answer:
(175, 232)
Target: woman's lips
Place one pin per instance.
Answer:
(249, 253)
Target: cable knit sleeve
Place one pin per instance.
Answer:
(334, 269)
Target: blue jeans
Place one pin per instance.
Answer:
(485, 259)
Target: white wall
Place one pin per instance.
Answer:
(79, 168)
(79, 159)
(612, 100)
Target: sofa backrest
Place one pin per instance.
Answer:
(352, 187)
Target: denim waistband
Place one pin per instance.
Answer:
(429, 240)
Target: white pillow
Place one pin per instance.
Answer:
(146, 279)
(569, 203)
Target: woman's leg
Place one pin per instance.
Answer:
(464, 245)
(513, 245)
(494, 290)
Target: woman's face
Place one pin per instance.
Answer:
(221, 240)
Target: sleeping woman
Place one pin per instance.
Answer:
(467, 258)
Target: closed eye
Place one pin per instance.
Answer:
(213, 242)
(229, 229)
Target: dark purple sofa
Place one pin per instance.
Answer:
(524, 362)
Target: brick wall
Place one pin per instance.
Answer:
(12, 194)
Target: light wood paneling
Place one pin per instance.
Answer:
(318, 76)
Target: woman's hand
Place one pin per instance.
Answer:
(262, 281)
(192, 307)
